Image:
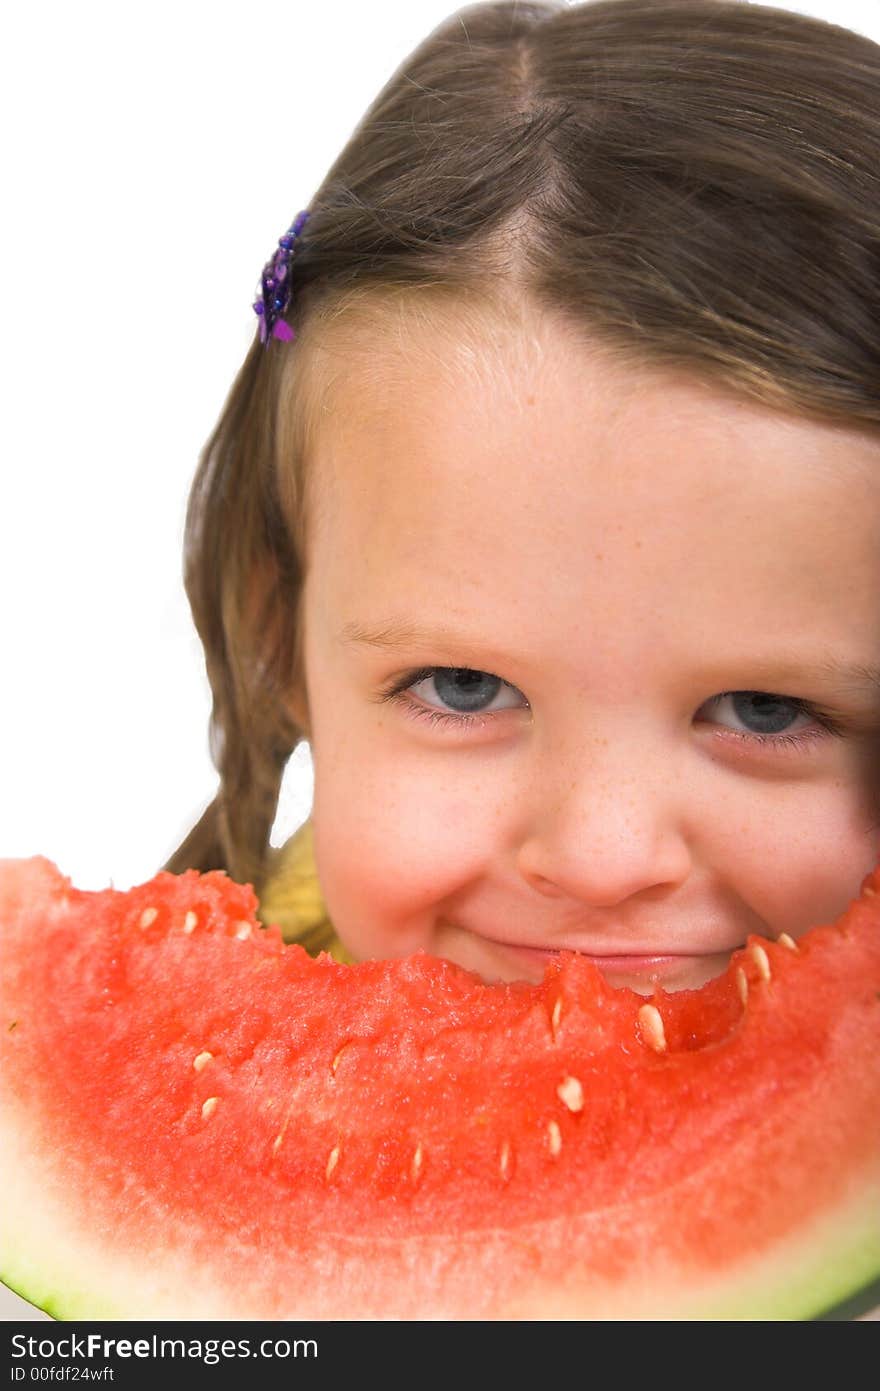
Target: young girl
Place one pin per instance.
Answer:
(546, 505)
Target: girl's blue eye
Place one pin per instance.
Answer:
(760, 713)
(466, 691)
(470, 694)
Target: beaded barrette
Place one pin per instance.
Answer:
(271, 305)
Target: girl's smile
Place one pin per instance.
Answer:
(591, 655)
(640, 971)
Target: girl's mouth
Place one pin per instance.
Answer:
(640, 972)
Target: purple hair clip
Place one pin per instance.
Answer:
(271, 306)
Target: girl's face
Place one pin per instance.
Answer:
(591, 660)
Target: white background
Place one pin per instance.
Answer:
(152, 156)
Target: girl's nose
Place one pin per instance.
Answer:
(602, 836)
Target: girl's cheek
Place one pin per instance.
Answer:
(406, 829)
(809, 869)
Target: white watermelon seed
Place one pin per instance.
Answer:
(209, 1106)
(189, 922)
(335, 1063)
(276, 1144)
(651, 1023)
(149, 915)
(242, 931)
(282, 1132)
(201, 1060)
(416, 1164)
(869, 891)
(742, 984)
(504, 1163)
(554, 1137)
(556, 1016)
(761, 960)
(571, 1093)
(332, 1161)
(785, 941)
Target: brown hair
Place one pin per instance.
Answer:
(695, 182)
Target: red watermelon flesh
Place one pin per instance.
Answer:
(201, 1122)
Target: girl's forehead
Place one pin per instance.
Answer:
(549, 486)
(489, 372)
(535, 422)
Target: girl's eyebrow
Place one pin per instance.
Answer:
(394, 632)
(850, 678)
(856, 678)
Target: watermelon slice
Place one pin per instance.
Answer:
(199, 1122)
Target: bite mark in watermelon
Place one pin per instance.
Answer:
(201, 1122)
